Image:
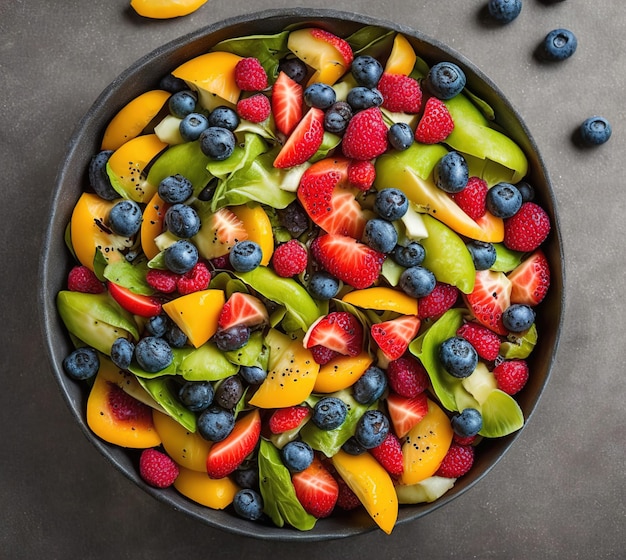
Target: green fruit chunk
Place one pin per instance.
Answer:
(447, 256)
(506, 259)
(206, 363)
(501, 415)
(480, 383)
(519, 347)
(463, 110)
(427, 490)
(418, 158)
(160, 390)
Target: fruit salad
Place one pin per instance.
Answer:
(307, 275)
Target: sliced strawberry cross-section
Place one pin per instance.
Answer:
(287, 103)
(339, 331)
(316, 489)
(242, 309)
(530, 280)
(405, 412)
(394, 336)
(489, 299)
(304, 141)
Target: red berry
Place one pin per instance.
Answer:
(361, 174)
(473, 198)
(484, 340)
(366, 135)
(407, 377)
(323, 355)
(442, 298)
(250, 75)
(464, 440)
(162, 280)
(157, 469)
(400, 93)
(511, 375)
(285, 419)
(254, 109)
(290, 258)
(83, 279)
(527, 229)
(196, 279)
(436, 123)
(458, 460)
(389, 455)
(347, 500)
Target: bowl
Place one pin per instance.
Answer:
(144, 74)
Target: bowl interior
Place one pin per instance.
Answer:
(145, 74)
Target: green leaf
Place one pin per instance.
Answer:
(160, 390)
(371, 40)
(249, 354)
(131, 276)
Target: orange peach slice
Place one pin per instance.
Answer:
(341, 372)
(165, 9)
(258, 226)
(152, 225)
(209, 492)
(402, 57)
(382, 299)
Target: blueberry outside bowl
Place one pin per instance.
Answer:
(145, 74)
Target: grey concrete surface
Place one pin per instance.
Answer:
(560, 492)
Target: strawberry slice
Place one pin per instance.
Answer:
(530, 280)
(389, 455)
(137, 304)
(316, 489)
(352, 262)
(490, 297)
(226, 455)
(242, 309)
(289, 418)
(405, 413)
(328, 198)
(339, 331)
(287, 103)
(304, 140)
(394, 336)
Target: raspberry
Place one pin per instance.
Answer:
(285, 419)
(361, 174)
(254, 109)
(389, 455)
(436, 123)
(484, 340)
(473, 198)
(463, 440)
(442, 298)
(346, 500)
(511, 375)
(196, 279)
(366, 135)
(162, 280)
(250, 75)
(290, 258)
(401, 94)
(458, 460)
(157, 469)
(527, 229)
(407, 377)
(322, 355)
(83, 279)
(221, 263)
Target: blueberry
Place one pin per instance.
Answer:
(329, 413)
(247, 478)
(171, 83)
(445, 80)
(153, 354)
(294, 68)
(232, 338)
(370, 386)
(224, 117)
(391, 204)
(182, 220)
(175, 189)
(215, 423)
(217, 142)
(82, 363)
(504, 200)
(504, 11)
(125, 218)
(320, 95)
(323, 285)
(196, 395)
(595, 131)
(252, 375)
(297, 456)
(468, 423)
(558, 45)
(361, 98)
(366, 71)
(229, 392)
(181, 256)
(400, 136)
(157, 325)
(245, 256)
(417, 281)
(372, 429)
(518, 317)
(451, 173)
(192, 126)
(293, 218)
(248, 504)
(410, 255)
(380, 235)
(175, 337)
(483, 254)
(182, 103)
(337, 117)
(458, 357)
(206, 194)
(353, 447)
(99, 178)
(122, 351)
(526, 190)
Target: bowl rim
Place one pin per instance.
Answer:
(49, 321)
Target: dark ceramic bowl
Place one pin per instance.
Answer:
(143, 75)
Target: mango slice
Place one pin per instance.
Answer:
(382, 299)
(341, 372)
(165, 9)
(402, 58)
(209, 492)
(152, 225)
(258, 226)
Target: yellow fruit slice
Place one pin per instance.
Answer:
(196, 314)
(402, 58)
(152, 225)
(209, 492)
(383, 299)
(372, 485)
(259, 228)
(165, 9)
(341, 372)
(130, 121)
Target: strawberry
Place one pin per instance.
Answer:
(304, 141)
(401, 94)
(366, 135)
(389, 455)
(394, 336)
(137, 304)
(125, 407)
(83, 279)
(436, 123)
(242, 309)
(323, 355)
(457, 462)
(405, 413)
(530, 280)
(157, 468)
(286, 419)
(316, 489)
(484, 340)
(339, 331)
(250, 75)
(527, 229)
(290, 258)
(162, 280)
(473, 198)
(490, 297)
(349, 260)
(407, 377)
(255, 108)
(287, 103)
(196, 279)
(329, 200)
(340, 44)
(361, 174)
(442, 298)
(226, 455)
(511, 375)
